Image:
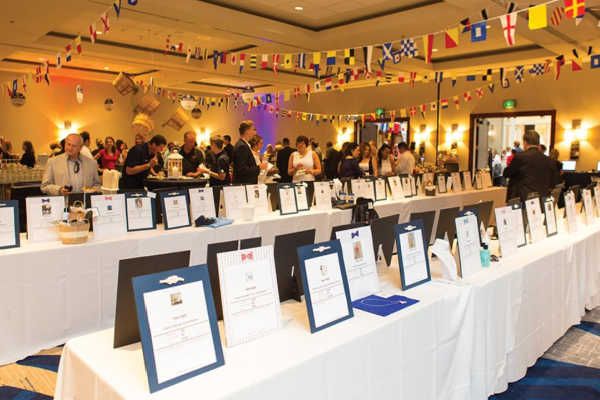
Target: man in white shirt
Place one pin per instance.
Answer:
(85, 149)
(406, 161)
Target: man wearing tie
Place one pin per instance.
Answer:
(70, 172)
(245, 169)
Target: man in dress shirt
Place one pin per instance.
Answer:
(245, 169)
(70, 172)
(406, 162)
(85, 148)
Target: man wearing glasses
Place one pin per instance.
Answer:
(70, 172)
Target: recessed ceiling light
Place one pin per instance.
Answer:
(299, 8)
(106, 68)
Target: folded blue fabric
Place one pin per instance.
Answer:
(383, 306)
(221, 222)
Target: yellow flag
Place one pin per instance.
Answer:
(317, 58)
(286, 95)
(287, 61)
(538, 17)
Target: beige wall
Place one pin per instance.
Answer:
(574, 96)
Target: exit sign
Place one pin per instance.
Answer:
(509, 104)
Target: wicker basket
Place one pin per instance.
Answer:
(76, 211)
(178, 120)
(75, 232)
(124, 84)
(148, 104)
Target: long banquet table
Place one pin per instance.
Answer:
(50, 293)
(463, 340)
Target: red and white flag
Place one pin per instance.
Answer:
(275, 62)
(557, 16)
(479, 92)
(92, 30)
(105, 22)
(264, 61)
(467, 96)
(509, 27)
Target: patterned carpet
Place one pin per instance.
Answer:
(570, 369)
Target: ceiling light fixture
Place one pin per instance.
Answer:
(106, 68)
(299, 8)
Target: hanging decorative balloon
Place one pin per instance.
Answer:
(196, 113)
(79, 94)
(188, 102)
(108, 104)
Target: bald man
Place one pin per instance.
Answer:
(70, 172)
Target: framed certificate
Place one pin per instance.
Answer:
(588, 205)
(469, 242)
(406, 185)
(249, 294)
(550, 216)
(395, 185)
(508, 236)
(412, 254)
(42, 215)
(456, 182)
(141, 211)
(380, 189)
(202, 202)
(235, 199)
(178, 325)
(256, 196)
(467, 180)
(301, 196)
(323, 196)
(535, 220)
(175, 209)
(519, 224)
(570, 211)
(359, 260)
(441, 183)
(9, 224)
(325, 284)
(287, 199)
(478, 180)
(413, 185)
(111, 219)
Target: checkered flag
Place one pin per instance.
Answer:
(408, 48)
(537, 69)
(519, 72)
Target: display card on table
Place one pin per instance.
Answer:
(257, 198)
(395, 187)
(302, 196)
(441, 183)
(322, 195)
(469, 243)
(9, 224)
(535, 220)
(363, 188)
(510, 235)
(249, 294)
(478, 180)
(325, 284)
(428, 179)
(202, 202)
(486, 179)
(111, 219)
(175, 209)
(359, 260)
(412, 254)
(406, 186)
(550, 216)
(413, 185)
(287, 199)
(235, 199)
(141, 211)
(468, 181)
(570, 211)
(380, 188)
(42, 215)
(597, 198)
(449, 184)
(588, 205)
(178, 325)
(456, 182)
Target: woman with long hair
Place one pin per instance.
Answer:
(386, 165)
(122, 149)
(109, 155)
(349, 167)
(28, 157)
(366, 161)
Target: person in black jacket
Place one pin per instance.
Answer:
(28, 157)
(332, 161)
(530, 170)
(245, 169)
(283, 159)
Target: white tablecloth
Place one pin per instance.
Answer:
(50, 293)
(461, 341)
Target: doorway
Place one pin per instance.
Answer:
(384, 131)
(493, 136)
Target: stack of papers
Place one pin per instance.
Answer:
(383, 306)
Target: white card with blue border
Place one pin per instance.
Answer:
(325, 283)
(412, 254)
(359, 260)
(9, 224)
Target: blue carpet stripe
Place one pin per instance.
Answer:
(591, 327)
(13, 393)
(46, 362)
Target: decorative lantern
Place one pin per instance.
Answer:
(142, 124)
(196, 113)
(108, 104)
(79, 94)
(188, 102)
(174, 164)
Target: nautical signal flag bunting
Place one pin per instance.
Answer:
(538, 17)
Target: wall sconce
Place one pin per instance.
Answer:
(67, 124)
(203, 136)
(343, 135)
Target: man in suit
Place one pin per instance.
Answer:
(70, 172)
(245, 169)
(530, 170)
(283, 158)
(332, 160)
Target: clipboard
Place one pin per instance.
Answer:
(175, 193)
(306, 253)
(14, 204)
(174, 279)
(140, 195)
(417, 228)
(287, 186)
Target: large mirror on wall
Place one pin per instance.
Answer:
(493, 136)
